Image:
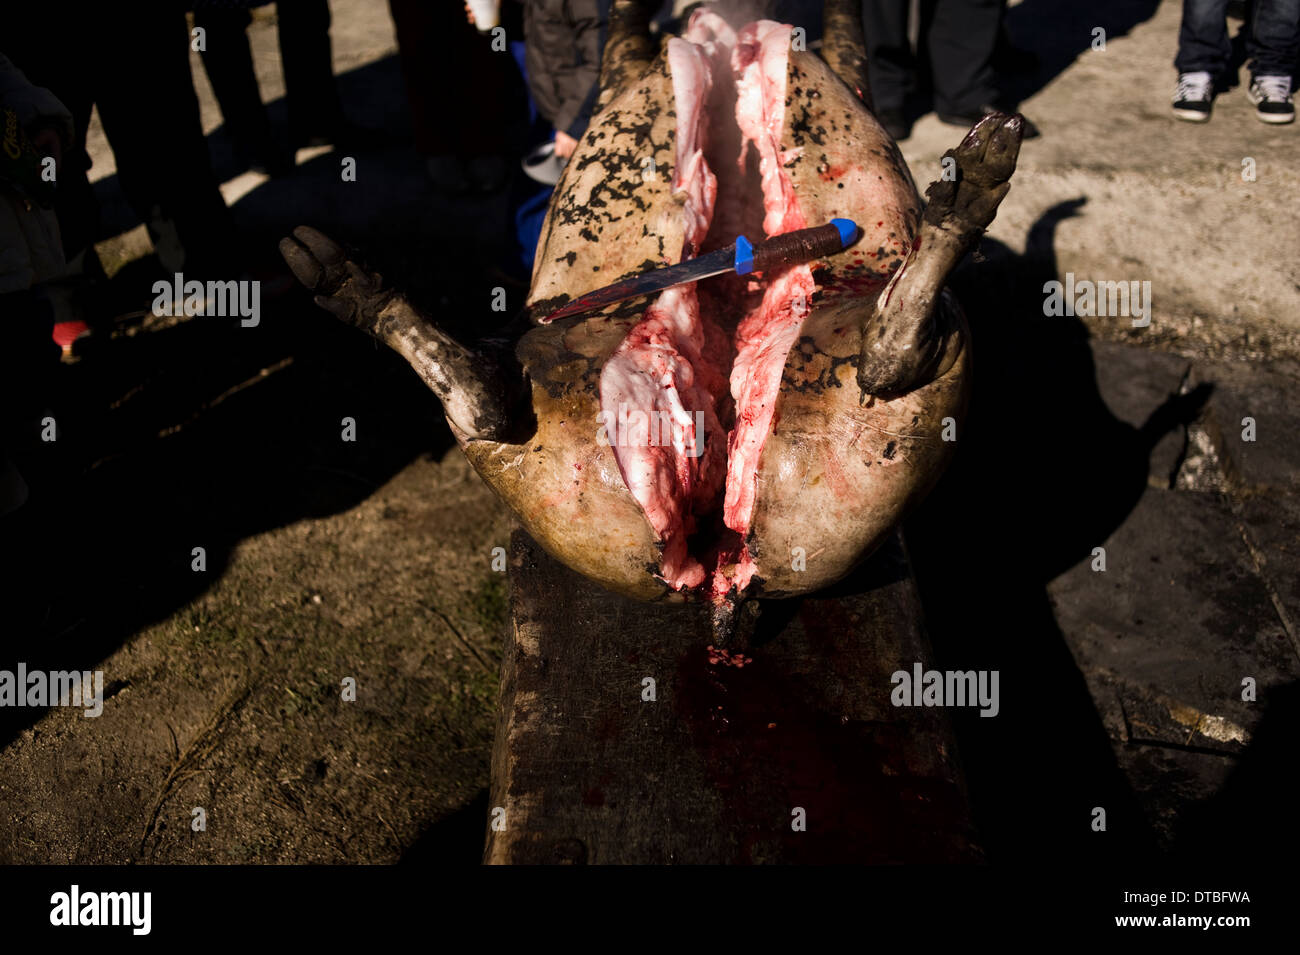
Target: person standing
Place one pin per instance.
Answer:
(564, 40)
(1272, 45)
(957, 40)
(315, 111)
(35, 131)
(459, 93)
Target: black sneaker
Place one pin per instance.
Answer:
(1272, 98)
(1194, 96)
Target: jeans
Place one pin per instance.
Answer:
(1272, 37)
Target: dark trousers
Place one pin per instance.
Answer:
(457, 86)
(1272, 37)
(310, 91)
(28, 360)
(957, 38)
(136, 70)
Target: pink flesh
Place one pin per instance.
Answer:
(674, 361)
(653, 370)
(763, 338)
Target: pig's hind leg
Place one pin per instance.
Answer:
(844, 47)
(629, 47)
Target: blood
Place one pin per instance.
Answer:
(727, 659)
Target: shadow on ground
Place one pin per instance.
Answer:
(1059, 33)
(456, 839)
(202, 433)
(1045, 472)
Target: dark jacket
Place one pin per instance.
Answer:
(563, 41)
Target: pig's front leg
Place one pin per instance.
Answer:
(908, 336)
(481, 390)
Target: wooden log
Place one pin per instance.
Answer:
(713, 763)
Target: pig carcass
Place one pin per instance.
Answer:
(740, 436)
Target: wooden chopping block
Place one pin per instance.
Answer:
(618, 741)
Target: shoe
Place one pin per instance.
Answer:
(447, 174)
(1194, 96)
(1272, 98)
(272, 163)
(343, 135)
(487, 173)
(542, 165)
(895, 123)
(1027, 129)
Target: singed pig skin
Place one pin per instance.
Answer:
(834, 478)
(837, 475)
(610, 219)
(847, 166)
(564, 484)
(614, 212)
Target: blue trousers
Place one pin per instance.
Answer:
(1272, 37)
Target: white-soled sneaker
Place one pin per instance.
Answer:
(1272, 98)
(1194, 96)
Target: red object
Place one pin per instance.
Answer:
(65, 333)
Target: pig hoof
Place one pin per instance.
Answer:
(966, 203)
(342, 287)
(910, 337)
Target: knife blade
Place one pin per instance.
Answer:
(741, 257)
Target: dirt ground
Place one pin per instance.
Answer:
(371, 560)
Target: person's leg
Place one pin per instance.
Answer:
(146, 99)
(28, 360)
(425, 74)
(1203, 45)
(889, 54)
(453, 78)
(961, 37)
(1273, 41)
(309, 88)
(229, 65)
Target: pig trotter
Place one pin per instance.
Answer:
(843, 46)
(910, 336)
(481, 391)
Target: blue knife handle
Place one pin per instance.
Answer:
(744, 256)
(802, 245)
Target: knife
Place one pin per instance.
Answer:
(742, 257)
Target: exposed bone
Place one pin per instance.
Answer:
(479, 390)
(905, 340)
